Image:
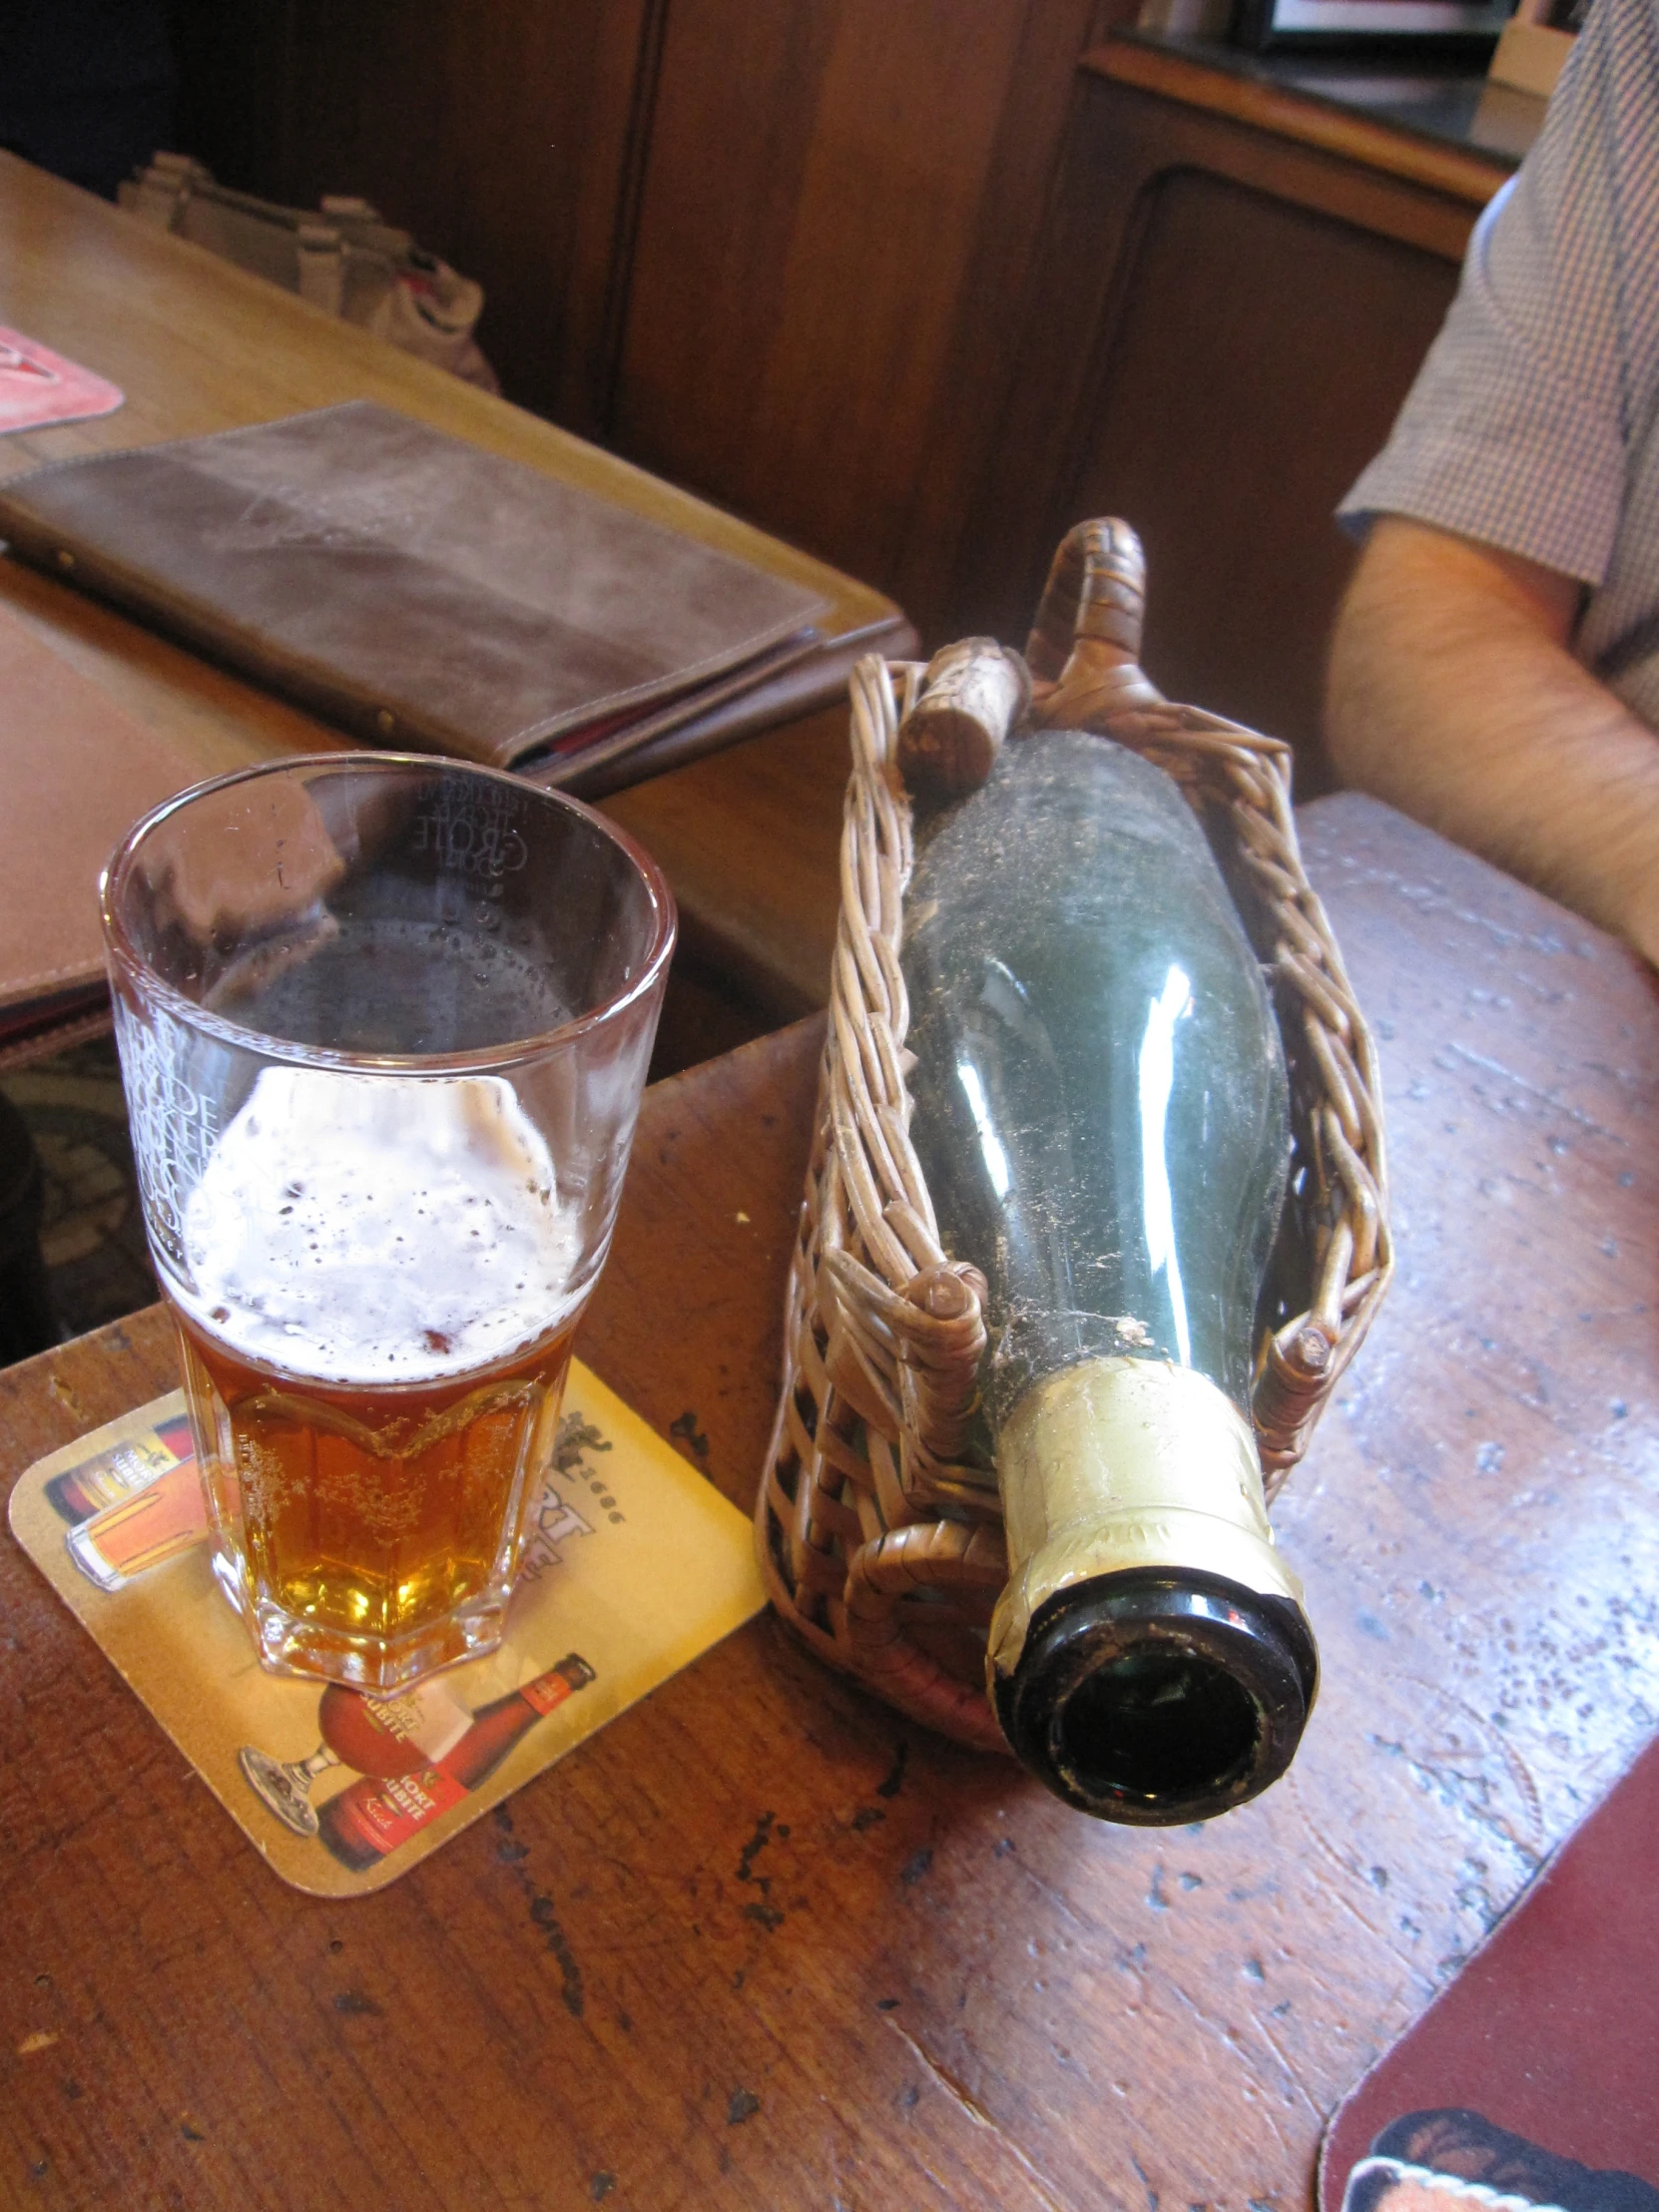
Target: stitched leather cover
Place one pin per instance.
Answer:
(1551, 2031)
(78, 771)
(411, 588)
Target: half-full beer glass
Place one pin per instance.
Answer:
(383, 1026)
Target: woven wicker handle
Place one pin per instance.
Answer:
(1084, 647)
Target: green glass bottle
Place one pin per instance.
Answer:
(1101, 1112)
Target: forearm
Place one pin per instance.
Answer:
(1454, 695)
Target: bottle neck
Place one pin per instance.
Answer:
(1119, 1464)
(553, 1687)
(1149, 1658)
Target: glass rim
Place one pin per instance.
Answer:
(127, 960)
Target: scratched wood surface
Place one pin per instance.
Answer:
(763, 1944)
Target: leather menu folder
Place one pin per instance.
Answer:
(78, 773)
(413, 589)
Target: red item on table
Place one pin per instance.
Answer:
(38, 386)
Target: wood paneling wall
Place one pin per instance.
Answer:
(898, 280)
(839, 205)
(1223, 323)
(500, 132)
(772, 249)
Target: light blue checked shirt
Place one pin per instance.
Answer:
(1533, 423)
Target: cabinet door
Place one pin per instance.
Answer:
(837, 200)
(1219, 339)
(499, 135)
(1258, 361)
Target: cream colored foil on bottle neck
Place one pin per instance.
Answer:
(1121, 1463)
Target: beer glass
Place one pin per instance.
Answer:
(383, 1026)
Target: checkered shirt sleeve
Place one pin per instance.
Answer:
(1521, 427)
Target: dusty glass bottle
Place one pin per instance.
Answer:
(1101, 1112)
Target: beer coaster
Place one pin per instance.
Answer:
(636, 1566)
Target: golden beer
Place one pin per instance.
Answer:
(383, 1025)
(373, 1512)
(373, 1356)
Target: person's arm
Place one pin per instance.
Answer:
(1452, 693)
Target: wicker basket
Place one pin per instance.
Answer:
(878, 1547)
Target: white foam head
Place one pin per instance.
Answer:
(378, 1228)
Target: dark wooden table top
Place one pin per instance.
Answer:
(764, 1944)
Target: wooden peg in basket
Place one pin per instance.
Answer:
(972, 695)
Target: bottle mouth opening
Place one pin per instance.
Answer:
(1152, 1699)
(1157, 1725)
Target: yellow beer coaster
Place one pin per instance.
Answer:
(636, 1566)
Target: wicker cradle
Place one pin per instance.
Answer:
(877, 1546)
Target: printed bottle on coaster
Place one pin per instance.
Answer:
(375, 1816)
(381, 1737)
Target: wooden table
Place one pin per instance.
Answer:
(765, 1943)
(198, 346)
